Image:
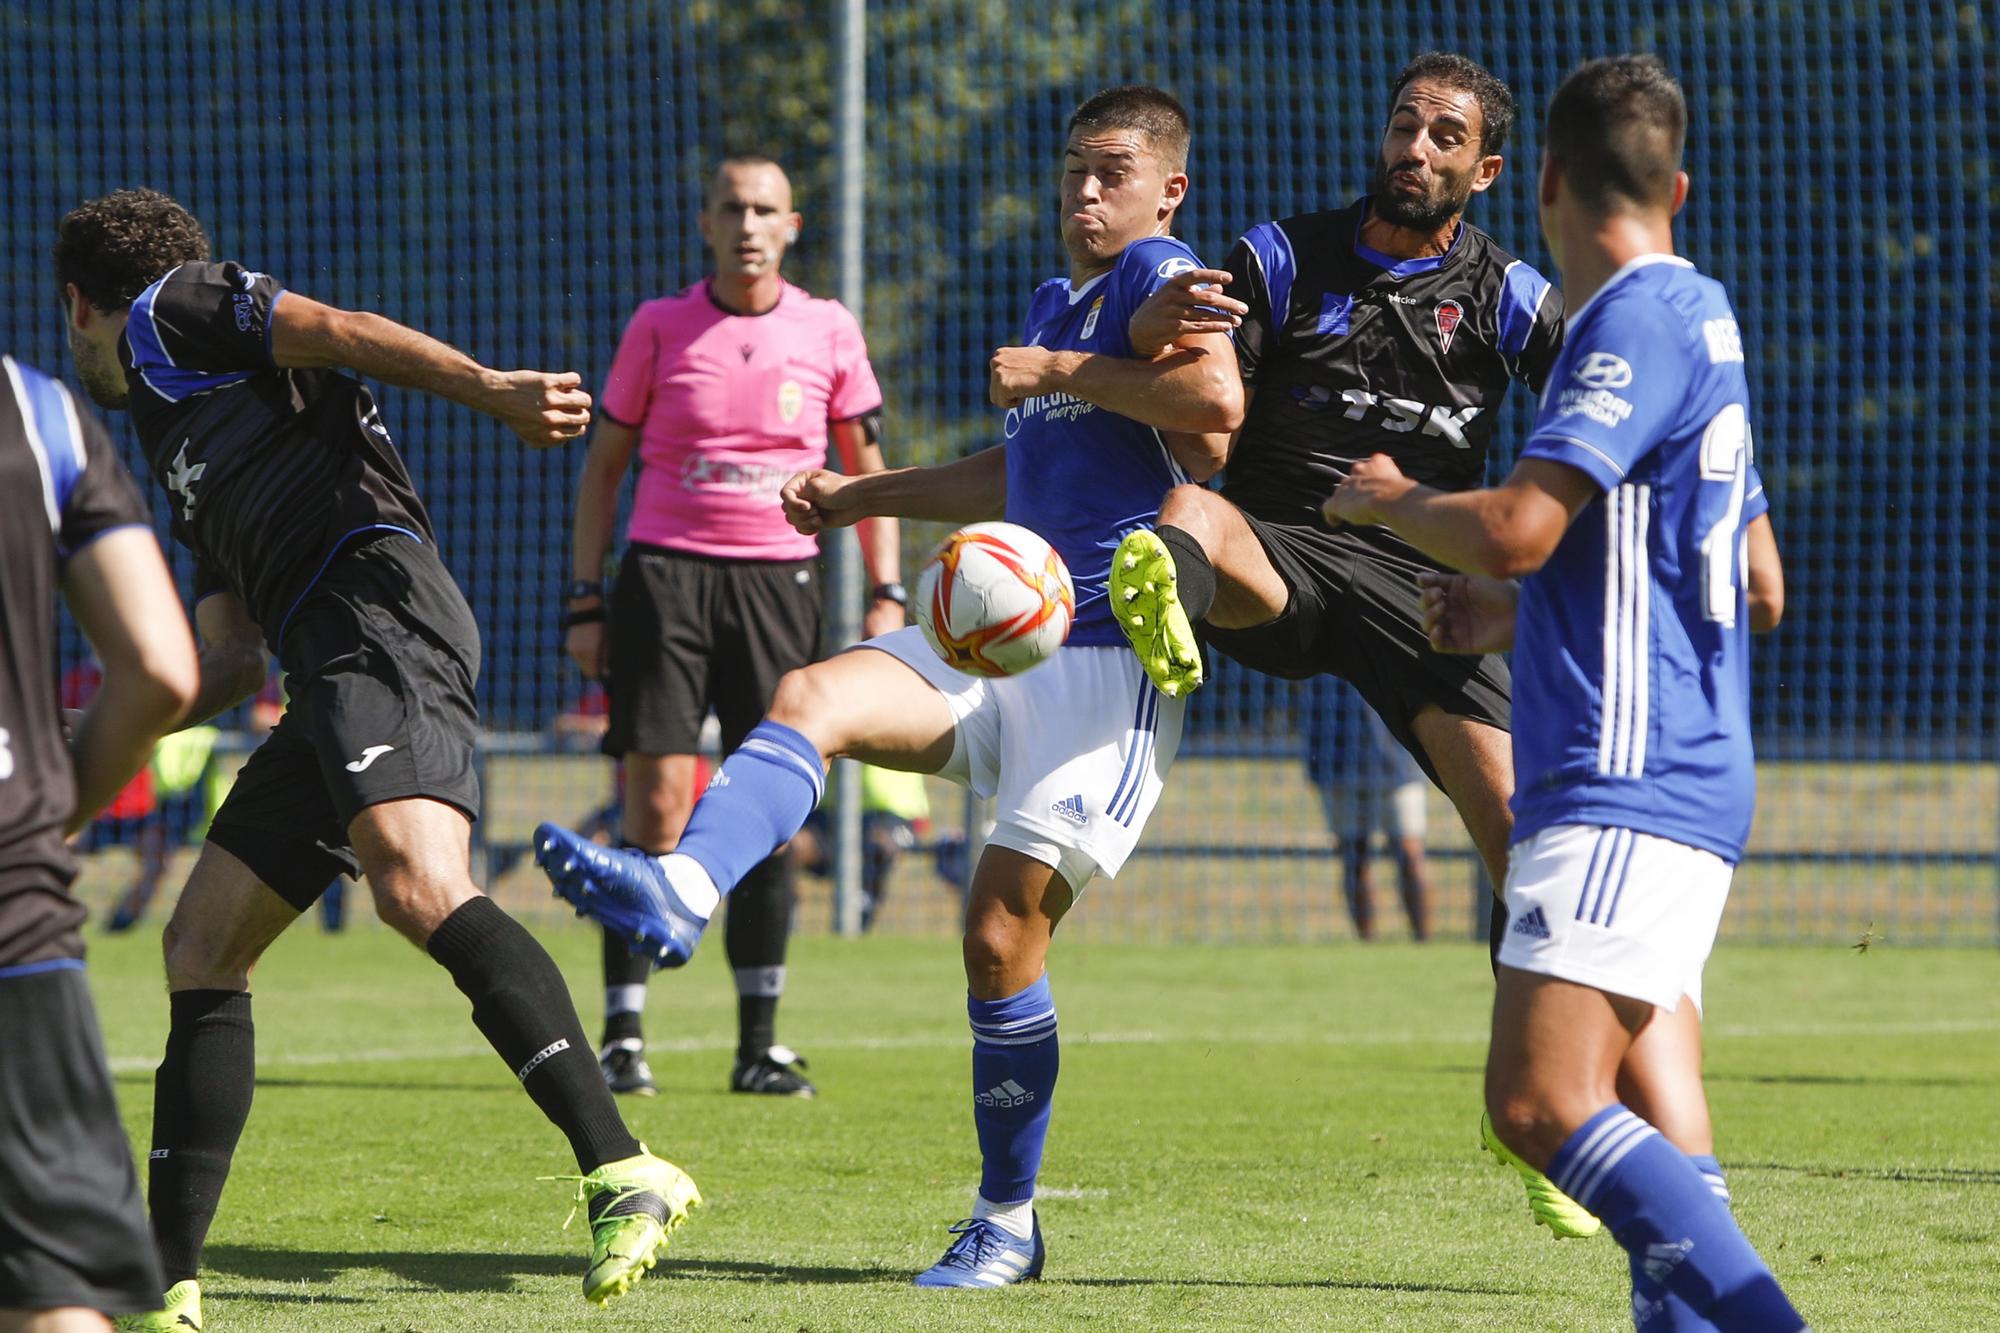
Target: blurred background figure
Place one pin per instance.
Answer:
(895, 817)
(1368, 784)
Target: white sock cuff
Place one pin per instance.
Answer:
(1016, 1219)
(691, 884)
(625, 999)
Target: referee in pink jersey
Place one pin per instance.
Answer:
(726, 389)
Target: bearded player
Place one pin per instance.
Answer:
(1076, 750)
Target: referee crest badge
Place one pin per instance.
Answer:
(1090, 320)
(1449, 313)
(791, 401)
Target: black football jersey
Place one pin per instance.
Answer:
(1352, 353)
(268, 470)
(61, 487)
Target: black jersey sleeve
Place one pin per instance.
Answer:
(103, 495)
(202, 321)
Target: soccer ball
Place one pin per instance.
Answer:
(995, 600)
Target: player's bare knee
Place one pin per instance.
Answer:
(199, 958)
(998, 952)
(805, 703)
(1190, 508)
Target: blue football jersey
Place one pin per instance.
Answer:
(1080, 476)
(1632, 645)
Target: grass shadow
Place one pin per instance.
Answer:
(453, 1271)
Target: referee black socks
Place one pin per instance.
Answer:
(520, 1003)
(1194, 576)
(201, 1098)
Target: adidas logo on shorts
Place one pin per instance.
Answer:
(1008, 1093)
(1071, 808)
(1533, 924)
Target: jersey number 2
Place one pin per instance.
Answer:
(1725, 459)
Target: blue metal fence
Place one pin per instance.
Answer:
(516, 178)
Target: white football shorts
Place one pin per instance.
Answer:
(1074, 752)
(1626, 912)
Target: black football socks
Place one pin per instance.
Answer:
(755, 934)
(520, 1003)
(1194, 576)
(201, 1099)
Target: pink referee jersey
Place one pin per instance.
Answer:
(727, 407)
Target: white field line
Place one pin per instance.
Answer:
(286, 1058)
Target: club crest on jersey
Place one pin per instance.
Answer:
(1090, 320)
(791, 401)
(1449, 314)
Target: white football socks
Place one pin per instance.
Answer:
(1016, 1219)
(691, 884)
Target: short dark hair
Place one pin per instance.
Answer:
(1617, 126)
(1497, 108)
(116, 247)
(1153, 112)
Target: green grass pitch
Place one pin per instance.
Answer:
(1244, 1137)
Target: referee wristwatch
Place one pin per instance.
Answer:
(891, 592)
(577, 588)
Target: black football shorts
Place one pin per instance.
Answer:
(72, 1225)
(380, 660)
(690, 633)
(1354, 613)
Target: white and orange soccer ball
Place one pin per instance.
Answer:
(996, 600)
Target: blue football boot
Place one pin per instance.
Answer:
(625, 891)
(986, 1255)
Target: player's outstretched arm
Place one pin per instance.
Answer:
(1503, 532)
(120, 592)
(1766, 582)
(967, 491)
(1193, 391)
(542, 408)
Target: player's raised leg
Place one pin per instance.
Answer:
(416, 853)
(1012, 914)
(1200, 563)
(862, 704)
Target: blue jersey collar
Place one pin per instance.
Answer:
(1625, 270)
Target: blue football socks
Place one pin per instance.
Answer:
(1666, 1213)
(1014, 1061)
(754, 804)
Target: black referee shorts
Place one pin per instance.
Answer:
(1354, 613)
(72, 1225)
(380, 662)
(690, 633)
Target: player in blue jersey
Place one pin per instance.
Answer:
(1075, 751)
(1636, 525)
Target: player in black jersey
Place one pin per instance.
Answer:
(73, 1243)
(310, 540)
(1390, 326)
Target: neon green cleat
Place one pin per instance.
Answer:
(180, 1313)
(633, 1204)
(1564, 1216)
(1149, 611)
